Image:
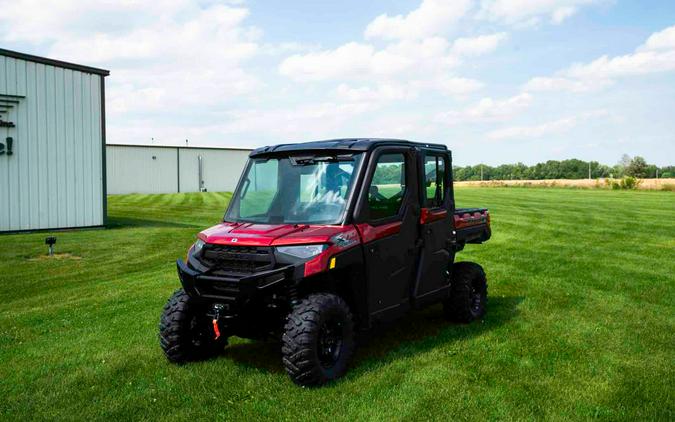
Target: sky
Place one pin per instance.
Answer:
(498, 81)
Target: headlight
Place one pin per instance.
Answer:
(302, 251)
(197, 247)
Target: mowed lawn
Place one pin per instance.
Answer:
(580, 323)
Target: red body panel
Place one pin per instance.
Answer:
(252, 234)
(429, 216)
(321, 262)
(369, 233)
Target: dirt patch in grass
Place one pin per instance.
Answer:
(56, 256)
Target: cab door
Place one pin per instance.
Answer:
(435, 224)
(386, 219)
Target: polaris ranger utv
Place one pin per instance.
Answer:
(322, 240)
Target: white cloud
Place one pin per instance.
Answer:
(476, 46)
(457, 86)
(627, 65)
(254, 126)
(356, 60)
(487, 110)
(432, 17)
(550, 128)
(530, 132)
(529, 12)
(662, 40)
(408, 65)
(413, 57)
(383, 92)
(656, 55)
(562, 13)
(214, 33)
(162, 55)
(350, 59)
(565, 84)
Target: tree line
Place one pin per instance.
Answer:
(565, 169)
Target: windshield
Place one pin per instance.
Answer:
(297, 190)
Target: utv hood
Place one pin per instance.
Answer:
(254, 234)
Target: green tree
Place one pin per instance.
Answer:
(625, 161)
(637, 167)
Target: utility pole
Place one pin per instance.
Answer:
(481, 172)
(589, 170)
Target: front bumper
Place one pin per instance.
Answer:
(232, 289)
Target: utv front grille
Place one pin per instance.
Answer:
(237, 259)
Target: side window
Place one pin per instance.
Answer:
(386, 190)
(434, 170)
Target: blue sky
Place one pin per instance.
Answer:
(496, 80)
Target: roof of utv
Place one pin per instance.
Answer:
(352, 144)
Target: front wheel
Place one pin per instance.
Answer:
(318, 340)
(468, 293)
(184, 331)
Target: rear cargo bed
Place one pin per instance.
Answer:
(472, 225)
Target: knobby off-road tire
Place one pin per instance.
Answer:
(318, 340)
(184, 332)
(468, 293)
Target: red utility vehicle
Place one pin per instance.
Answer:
(322, 240)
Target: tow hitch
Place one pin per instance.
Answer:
(217, 308)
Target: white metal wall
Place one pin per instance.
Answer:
(54, 179)
(220, 168)
(137, 169)
(152, 169)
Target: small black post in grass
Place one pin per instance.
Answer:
(51, 240)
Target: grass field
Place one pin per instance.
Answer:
(667, 184)
(580, 324)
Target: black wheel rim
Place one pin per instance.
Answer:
(476, 299)
(329, 343)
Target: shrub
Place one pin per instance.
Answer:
(628, 183)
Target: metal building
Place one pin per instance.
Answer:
(52, 137)
(165, 169)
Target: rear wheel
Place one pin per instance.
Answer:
(184, 331)
(318, 340)
(468, 293)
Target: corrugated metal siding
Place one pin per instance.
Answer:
(221, 169)
(54, 179)
(132, 169)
